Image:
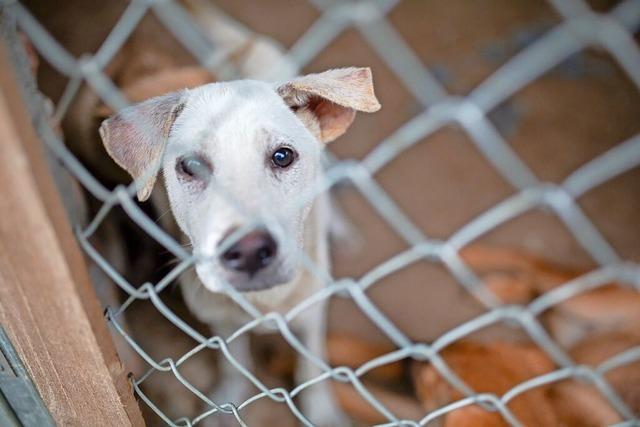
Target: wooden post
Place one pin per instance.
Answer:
(47, 303)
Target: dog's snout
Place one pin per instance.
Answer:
(253, 252)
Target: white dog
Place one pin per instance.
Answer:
(238, 160)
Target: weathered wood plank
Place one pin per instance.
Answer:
(47, 303)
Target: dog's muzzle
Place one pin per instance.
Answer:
(252, 253)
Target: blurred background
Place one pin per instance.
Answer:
(420, 52)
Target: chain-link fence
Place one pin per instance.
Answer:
(580, 28)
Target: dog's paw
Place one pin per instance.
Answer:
(333, 420)
(219, 420)
(329, 418)
(320, 407)
(235, 389)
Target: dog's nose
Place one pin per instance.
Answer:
(253, 252)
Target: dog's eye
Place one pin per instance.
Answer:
(193, 167)
(283, 157)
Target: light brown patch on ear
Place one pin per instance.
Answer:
(136, 137)
(310, 121)
(333, 121)
(333, 97)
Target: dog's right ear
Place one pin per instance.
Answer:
(136, 137)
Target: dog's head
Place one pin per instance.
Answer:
(234, 152)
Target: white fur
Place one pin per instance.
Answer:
(239, 124)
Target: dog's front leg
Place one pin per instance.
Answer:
(319, 404)
(232, 386)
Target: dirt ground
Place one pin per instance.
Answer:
(565, 118)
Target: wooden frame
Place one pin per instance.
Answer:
(47, 303)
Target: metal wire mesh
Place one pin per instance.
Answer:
(580, 28)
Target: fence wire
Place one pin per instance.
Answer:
(580, 28)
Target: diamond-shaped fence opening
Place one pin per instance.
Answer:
(484, 114)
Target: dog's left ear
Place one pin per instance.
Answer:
(331, 99)
(136, 137)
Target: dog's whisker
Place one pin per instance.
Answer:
(169, 263)
(168, 210)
